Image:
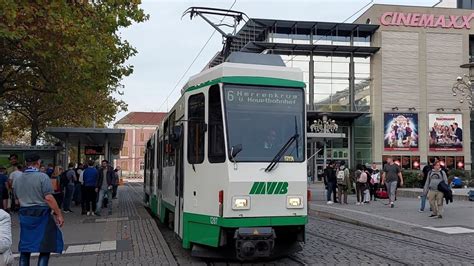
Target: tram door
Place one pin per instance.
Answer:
(179, 180)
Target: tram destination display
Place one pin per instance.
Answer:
(242, 97)
(401, 131)
(445, 132)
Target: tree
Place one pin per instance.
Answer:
(60, 59)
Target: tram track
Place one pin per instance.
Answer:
(357, 248)
(434, 245)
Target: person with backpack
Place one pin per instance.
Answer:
(343, 183)
(68, 178)
(361, 180)
(435, 197)
(330, 180)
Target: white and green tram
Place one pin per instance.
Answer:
(226, 169)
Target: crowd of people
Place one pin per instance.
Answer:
(38, 193)
(371, 183)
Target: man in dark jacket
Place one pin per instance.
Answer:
(330, 180)
(104, 186)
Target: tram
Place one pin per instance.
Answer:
(226, 169)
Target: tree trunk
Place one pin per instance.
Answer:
(34, 133)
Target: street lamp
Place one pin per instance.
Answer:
(463, 85)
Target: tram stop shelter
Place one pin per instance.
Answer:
(106, 142)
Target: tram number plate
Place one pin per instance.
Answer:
(213, 220)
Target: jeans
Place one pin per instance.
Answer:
(391, 189)
(102, 193)
(373, 188)
(90, 198)
(68, 197)
(342, 193)
(43, 259)
(423, 203)
(77, 195)
(114, 191)
(331, 190)
(360, 187)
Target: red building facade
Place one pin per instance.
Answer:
(139, 126)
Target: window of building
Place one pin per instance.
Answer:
(471, 48)
(142, 166)
(449, 162)
(465, 4)
(405, 162)
(124, 151)
(196, 128)
(142, 151)
(124, 165)
(126, 136)
(216, 128)
(142, 136)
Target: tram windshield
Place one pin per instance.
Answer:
(262, 120)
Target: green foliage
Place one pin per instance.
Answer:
(412, 179)
(61, 61)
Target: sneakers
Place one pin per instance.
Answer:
(357, 203)
(88, 213)
(433, 216)
(392, 205)
(440, 216)
(421, 210)
(66, 211)
(330, 202)
(97, 214)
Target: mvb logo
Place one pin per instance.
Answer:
(275, 188)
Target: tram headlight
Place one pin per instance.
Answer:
(241, 203)
(294, 202)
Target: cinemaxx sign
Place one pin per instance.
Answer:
(426, 20)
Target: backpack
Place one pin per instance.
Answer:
(471, 195)
(341, 177)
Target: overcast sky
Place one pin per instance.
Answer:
(167, 44)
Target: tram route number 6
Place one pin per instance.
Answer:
(213, 220)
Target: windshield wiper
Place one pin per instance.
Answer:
(282, 151)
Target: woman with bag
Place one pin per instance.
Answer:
(361, 180)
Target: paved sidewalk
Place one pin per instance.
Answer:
(456, 227)
(129, 236)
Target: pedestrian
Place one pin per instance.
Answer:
(343, 182)
(104, 184)
(50, 169)
(3, 188)
(115, 186)
(6, 257)
(361, 180)
(426, 170)
(82, 187)
(390, 175)
(70, 176)
(90, 176)
(435, 197)
(330, 180)
(13, 158)
(13, 175)
(77, 195)
(366, 188)
(56, 184)
(374, 181)
(39, 227)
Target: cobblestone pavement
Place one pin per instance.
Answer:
(141, 240)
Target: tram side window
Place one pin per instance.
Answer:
(196, 128)
(216, 128)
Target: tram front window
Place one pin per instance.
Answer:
(263, 120)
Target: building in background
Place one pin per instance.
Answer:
(139, 126)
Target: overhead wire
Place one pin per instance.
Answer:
(192, 63)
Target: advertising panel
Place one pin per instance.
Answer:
(401, 132)
(445, 132)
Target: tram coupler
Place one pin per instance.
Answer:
(254, 242)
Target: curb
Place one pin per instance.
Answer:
(415, 194)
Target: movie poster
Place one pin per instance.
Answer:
(401, 132)
(445, 132)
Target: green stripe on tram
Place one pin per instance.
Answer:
(251, 80)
